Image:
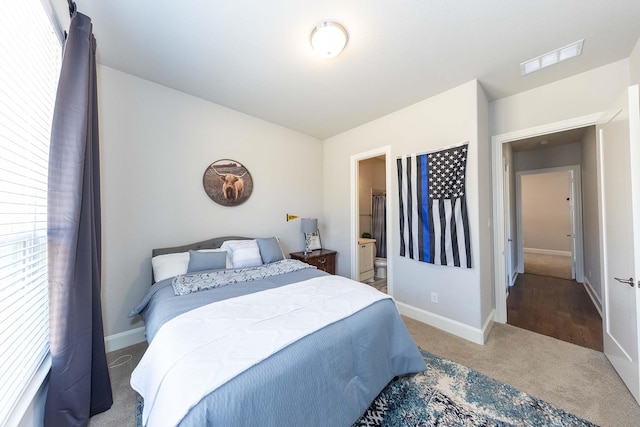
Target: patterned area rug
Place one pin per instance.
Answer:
(449, 394)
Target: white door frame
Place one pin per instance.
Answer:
(577, 252)
(355, 211)
(508, 227)
(499, 258)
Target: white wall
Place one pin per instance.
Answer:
(485, 206)
(634, 64)
(545, 211)
(156, 144)
(580, 95)
(446, 119)
(545, 158)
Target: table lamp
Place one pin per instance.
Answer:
(308, 227)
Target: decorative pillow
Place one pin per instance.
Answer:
(244, 253)
(201, 261)
(226, 252)
(270, 250)
(169, 265)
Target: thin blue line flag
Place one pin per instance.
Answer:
(434, 225)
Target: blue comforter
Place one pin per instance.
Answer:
(328, 378)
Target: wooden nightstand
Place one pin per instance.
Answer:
(323, 259)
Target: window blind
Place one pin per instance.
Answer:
(29, 71)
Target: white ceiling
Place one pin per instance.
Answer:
(255, 57)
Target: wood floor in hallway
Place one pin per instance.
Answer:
(556, 308)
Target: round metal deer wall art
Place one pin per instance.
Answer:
(227, 182)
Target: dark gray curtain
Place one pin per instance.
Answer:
(79, 385)
(379, 224)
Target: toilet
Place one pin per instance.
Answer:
(380, 265)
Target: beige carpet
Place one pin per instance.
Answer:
(121, 365)
(570, 377)
(576, 379)
(547, 265)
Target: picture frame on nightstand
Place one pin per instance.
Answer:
(314, 240)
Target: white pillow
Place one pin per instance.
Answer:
(243, 253)
(225, 247)
(169, 265)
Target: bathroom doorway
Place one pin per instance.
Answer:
(370, 225)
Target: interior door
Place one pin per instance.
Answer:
(619, 158)
(572, 223)
(507, 223)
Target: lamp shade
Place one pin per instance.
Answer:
(328, 39)
(309, 225)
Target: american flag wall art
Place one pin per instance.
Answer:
(434, 225)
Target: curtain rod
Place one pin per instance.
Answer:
(72, 7)
(72, 10)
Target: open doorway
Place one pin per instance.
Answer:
(372, 222)
(549, 222)
(543, 215)
(370, 218)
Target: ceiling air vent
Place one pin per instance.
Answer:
(558, 55)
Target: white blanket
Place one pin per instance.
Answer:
(199, 351)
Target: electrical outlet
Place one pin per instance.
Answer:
(434, 297)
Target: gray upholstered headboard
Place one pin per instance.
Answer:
(206, 244)
(214, 243)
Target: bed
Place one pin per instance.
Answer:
(237, 341)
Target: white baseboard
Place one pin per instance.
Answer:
(595, 298)
(546, 252)
(514, 277)
(454, 327)
(124, 339)
(488, 325)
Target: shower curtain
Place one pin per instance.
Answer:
(379, 224)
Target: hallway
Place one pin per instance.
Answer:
(556, 308)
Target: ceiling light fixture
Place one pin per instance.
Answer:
(558, 55)
(328, 39)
